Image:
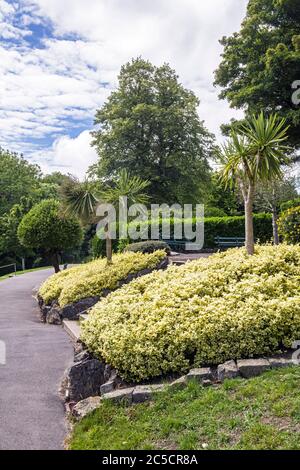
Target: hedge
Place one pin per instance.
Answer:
(224, 227)
(228, 306)
(91, 279)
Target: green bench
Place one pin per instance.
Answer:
(229, 242)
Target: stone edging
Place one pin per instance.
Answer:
(207, 376)
(54, 314)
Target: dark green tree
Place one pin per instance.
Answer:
(46, 228)
(262, 61)
(150, 126)
(18, 178)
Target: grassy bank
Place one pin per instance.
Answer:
(261, 413)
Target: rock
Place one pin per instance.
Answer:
(205, 373)
(107, 387)
(142, 393)
(83, 380)
(179, 383)
(117, 396)
(86, 406)
(252, 367)
(79, 347)
(72, 311)
(53, 316)
(82, 356)
(277, 362)
(228, 370)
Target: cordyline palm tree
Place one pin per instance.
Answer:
(255, 152)
(81, 199)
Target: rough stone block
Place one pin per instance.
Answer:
(123, 394)
(179, 383)
(86, 406)
(277, 362)
(107, 387)
(83, 380)
(252, 367)
(204, 373)
(228, 370)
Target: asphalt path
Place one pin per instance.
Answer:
(31, 412)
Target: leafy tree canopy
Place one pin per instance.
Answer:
(150, 126)
(261, 62)
(18, 178)
(44, 227)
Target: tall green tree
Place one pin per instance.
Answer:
(150, 126)
(271, 194)
(262, 61)
(255, 152)
(18, 178)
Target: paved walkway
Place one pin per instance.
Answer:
(31, 413)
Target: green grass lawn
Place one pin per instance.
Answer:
(19, 273)
(260, 413)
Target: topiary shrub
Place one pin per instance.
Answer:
(289, 225)
(228, 306)
(45, 228)
(148, 246)
(93, 278)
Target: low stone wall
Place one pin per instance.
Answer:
(54, 314)
(88, 382)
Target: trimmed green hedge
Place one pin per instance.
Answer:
(226, 227)
(214, 227)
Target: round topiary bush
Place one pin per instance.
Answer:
(289, 225)
(148, 246)
(46, 228)
(228, 306)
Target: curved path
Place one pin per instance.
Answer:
(31, 412)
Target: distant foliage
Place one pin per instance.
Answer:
(290, 204)
(148, 246)
(289, 225)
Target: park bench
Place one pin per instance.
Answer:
(229, 242)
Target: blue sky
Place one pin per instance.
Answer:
(59, 60)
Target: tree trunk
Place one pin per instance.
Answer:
(55, 262)
(249, 230)
(275, 226)
(108, 249)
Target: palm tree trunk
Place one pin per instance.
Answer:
(249, 229)
(275, 226)
(108, 249)
(55, 262)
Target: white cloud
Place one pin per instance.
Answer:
(46, 91)
(68, 155)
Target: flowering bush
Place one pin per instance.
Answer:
(289, 225)
(230, 305)
(91, 279)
